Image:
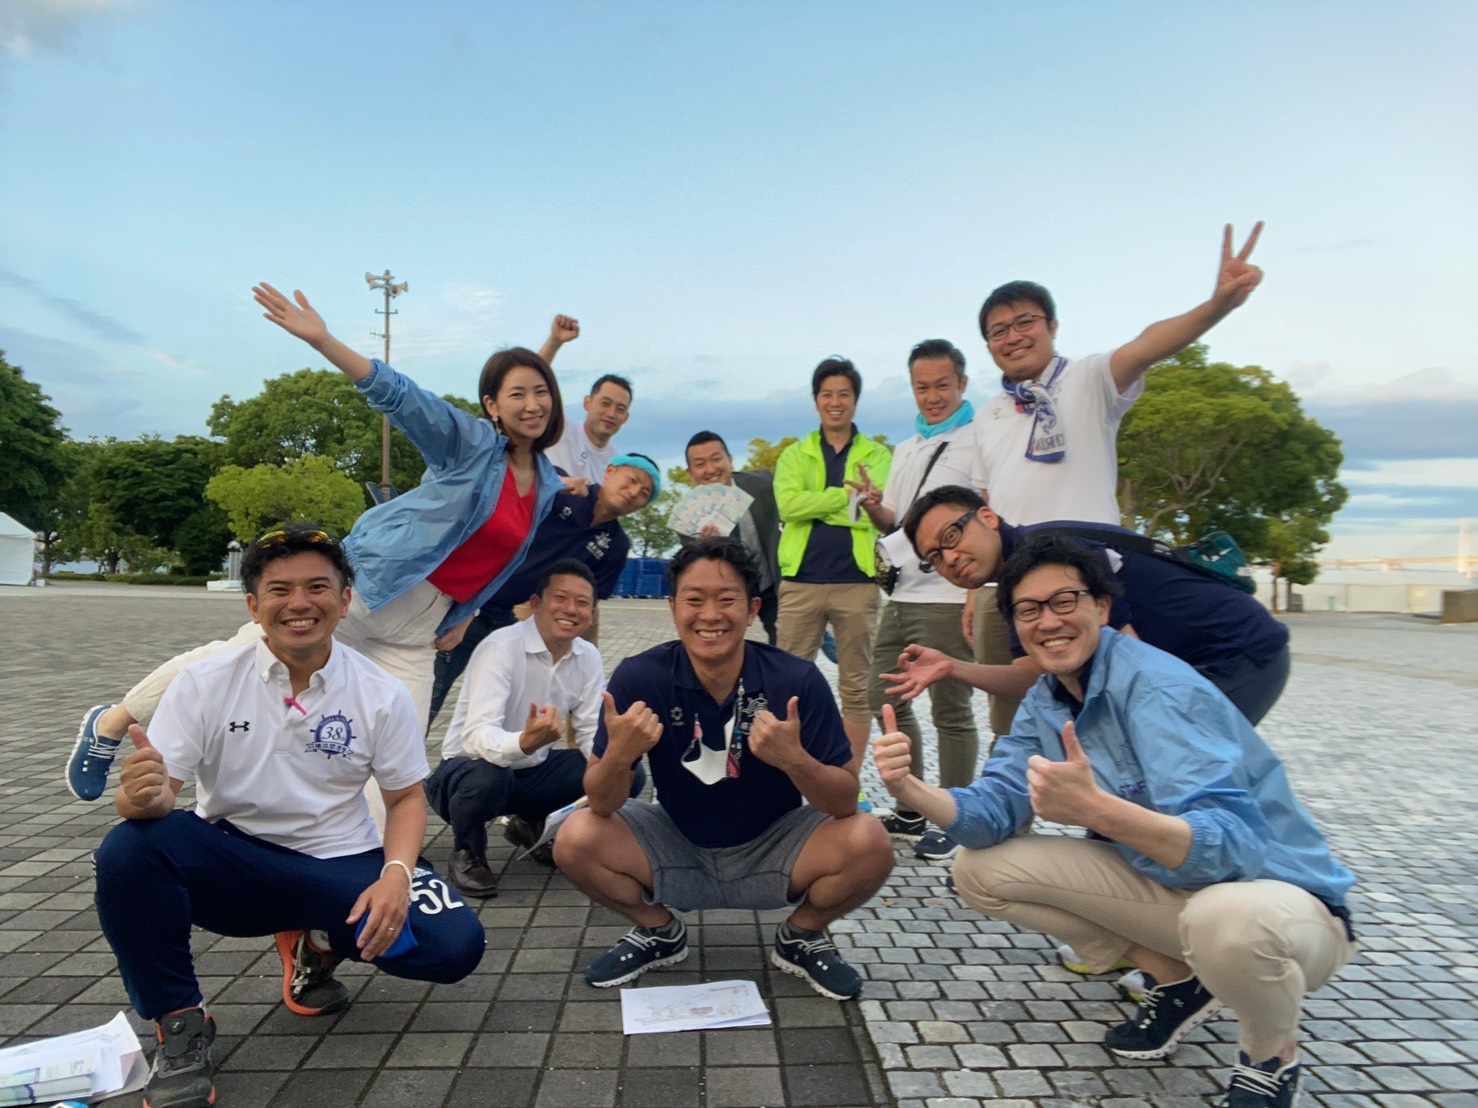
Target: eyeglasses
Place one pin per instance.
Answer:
(1021, 325)
(282, 536)
(1062, 602)
(949, 538)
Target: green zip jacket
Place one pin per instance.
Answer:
(802, 496)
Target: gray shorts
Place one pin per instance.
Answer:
(752, 875)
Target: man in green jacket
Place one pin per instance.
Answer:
(826, 548)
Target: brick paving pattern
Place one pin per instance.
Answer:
(1379, 728)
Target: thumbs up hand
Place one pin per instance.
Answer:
(777, 740)
(143, 784)
(1063, 792)
(631, 733)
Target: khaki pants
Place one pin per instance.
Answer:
(806, 609)
(1257, 946)
(993, 648)
(942, 627)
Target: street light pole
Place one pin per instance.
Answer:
(385, 282)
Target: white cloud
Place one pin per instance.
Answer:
(1415, 473)
(31, 27)
(459, 321)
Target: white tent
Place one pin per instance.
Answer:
(17, 552)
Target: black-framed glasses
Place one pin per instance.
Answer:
(1021, 325)
(1062, 602)
(282, 535)
(949, 538)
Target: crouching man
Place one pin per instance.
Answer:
(524, 724)
(280, 737)
(1200, 865)
(757, 806)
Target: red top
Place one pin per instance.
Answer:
(491, 547)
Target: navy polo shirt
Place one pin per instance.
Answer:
(828, 557)
(568, 531)
(736, 809)
(1184, 612)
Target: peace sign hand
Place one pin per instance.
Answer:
(1236, 278)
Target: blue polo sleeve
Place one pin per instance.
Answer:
(822, 733)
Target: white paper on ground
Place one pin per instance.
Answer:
(705, 1007)
(109, 1055)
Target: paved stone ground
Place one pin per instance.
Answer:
(1378, 729)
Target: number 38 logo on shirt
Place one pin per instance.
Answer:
(332, 735)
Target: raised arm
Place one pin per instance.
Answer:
(300, 320)
(1235, 279)
(565, 328)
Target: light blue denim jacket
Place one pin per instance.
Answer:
(394, 545)
(1159, 734)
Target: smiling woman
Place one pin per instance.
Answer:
(426, 560)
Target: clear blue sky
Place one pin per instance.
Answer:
(725, 193)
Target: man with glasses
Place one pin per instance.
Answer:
(923, 607)
(1200, 865)
(1225, 634)
(1048, 437)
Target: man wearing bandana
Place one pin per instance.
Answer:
(758, 807)
(1047, 439)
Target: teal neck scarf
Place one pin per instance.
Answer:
(962, 415)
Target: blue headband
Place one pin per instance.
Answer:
(645, 466)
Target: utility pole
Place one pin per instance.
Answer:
(385, 282)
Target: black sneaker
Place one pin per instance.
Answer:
(811, 956)
(308, 984)
(639, 950)
(935, 846)
(1270, 1084)
(1166, 1014)
(901, 826)
(182, 1071)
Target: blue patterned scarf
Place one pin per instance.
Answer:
(1048, 441)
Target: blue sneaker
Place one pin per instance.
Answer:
(813, 957)
(639, 950)
(87, 769)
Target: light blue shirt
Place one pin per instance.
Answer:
(395, 545)
(1162, 736)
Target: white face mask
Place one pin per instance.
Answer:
(704, 762)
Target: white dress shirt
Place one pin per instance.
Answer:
(509, 670)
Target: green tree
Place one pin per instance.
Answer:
(306, 488)
(763, 454)
(154, 488)
(62, 527)
(318, 412)
(1214, 446)
(31, 437)
(647, 528)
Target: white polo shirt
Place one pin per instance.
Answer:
(1084, 484)
(578, 456)
(509, 670)
(959, 464)
(290, 770)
